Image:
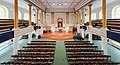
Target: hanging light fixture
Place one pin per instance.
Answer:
(53, 3)
(65, 3)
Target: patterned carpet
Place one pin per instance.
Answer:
(58, 35)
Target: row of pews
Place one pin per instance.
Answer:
(8, 24)
(35, 53)
(86, 53)
(112, 24)
(78, 53)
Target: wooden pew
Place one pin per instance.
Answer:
(85, 53)
(8, 24)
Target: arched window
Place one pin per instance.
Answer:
(26, 16)
(93, 16)
(116, 12)
(100, 14)
(3, 12)
(19, 14)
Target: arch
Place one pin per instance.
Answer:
(19, 14)
(116, 12)
(4, 12)
(60, 22)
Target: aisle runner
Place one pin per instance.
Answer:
(60, 54)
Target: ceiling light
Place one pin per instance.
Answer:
(65, 3)
(59, 4)
(53, 3)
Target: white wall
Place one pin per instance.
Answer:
(59, 15)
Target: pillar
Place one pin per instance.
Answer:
(83, 19)
(67, 18)
(15, 40)
(78, 17)
(78, 22)
(74, 18)
(37, 31)
(90, 14)
(41, 17)
(104, 25)
(30, 23)
(37, 16)
(44, 17)
(83, 16)
(52, 21)
(52, 18)
(30, 15)
(90, 22)
(67, 22)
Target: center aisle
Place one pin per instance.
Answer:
(60, 54)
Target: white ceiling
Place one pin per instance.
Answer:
(60, 3)
(70, 4)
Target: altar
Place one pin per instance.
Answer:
(60, 29)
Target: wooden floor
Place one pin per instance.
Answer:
(58, 35)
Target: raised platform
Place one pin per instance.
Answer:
(58, 35)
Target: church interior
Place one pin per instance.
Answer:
(59, 32)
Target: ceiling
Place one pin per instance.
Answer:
(57, 5)
(60, 3)
(53, 5)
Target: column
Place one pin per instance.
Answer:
(67, 18)
(44, 17)
(41, 17)
(78, 17)
(104, 25)
(52, 18)
(37, 16)
(74, 18)
(90, 22)
(83, 19)
(83, 16)
(78, 22)
(67, 22)
(52, 21)
(30, 15)
(90, 14)
(37, 31)
(15, 40)
(30, 23)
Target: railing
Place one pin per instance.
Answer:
(4, 36)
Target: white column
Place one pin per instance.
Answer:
(90, 37)
(104, 25)
(104, 45)
(15, 45)
(83, 35)
(78, 28)
(30, 35)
